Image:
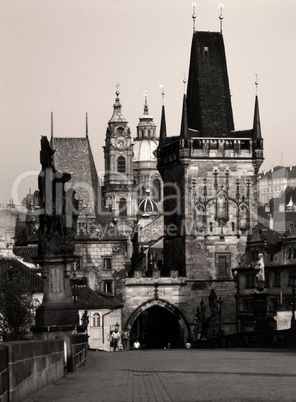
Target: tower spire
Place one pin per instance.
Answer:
(221, 17)
(51, 126)
(162, 133)
(193, 15)
(86, 126)
(184, 122)
(256, 122)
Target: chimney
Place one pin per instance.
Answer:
(271, 169)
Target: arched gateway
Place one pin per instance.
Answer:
(158, 324)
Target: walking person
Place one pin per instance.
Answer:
(125, 339)
(115, 338)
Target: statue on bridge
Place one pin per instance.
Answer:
(59, 213)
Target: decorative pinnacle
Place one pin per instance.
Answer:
(184, 82)
(193, 15)
(256, 83)
(221, 17)
(117, 91)
(162, 92)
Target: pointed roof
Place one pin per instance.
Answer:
(146, 118)
(163, 132)
(74, 156)
(184, 122)
(256, 123)
(117, 116)
(208, 94)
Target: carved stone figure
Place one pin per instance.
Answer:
(260, 275)
(58, 218)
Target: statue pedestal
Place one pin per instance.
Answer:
(57, 308)
(262, 321)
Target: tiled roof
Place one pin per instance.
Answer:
(34, 281)
(278, 172)
(87, 298)
(74, 156)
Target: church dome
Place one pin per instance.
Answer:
(148, 207)
(145, 150)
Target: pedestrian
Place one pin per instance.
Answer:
(115, 339)
(137, 345)
(125, 340)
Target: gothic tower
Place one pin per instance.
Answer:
(209, 172)
(118, 190)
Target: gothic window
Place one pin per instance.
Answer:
(121, 166)
(156, 190)
(96, 320)
(223, 261)
(122, 207)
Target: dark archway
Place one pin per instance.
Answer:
(156, 324)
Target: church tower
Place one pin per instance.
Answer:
(118, 190)
(147, 177)
(209, 172)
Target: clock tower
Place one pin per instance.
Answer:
(118, 191)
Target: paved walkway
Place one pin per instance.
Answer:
(179, 375)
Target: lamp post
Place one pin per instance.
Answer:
(220, 307)
(293, 282)
(236, 279)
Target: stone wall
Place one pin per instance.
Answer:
(4, 374)
(33, 365)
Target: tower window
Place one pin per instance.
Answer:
(223, 264)
(122, 207)
(108, 287)
(121, 166)
(107, 263)
(156, 190)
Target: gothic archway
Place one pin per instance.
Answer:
(157, 323)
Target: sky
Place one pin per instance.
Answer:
(66, 57)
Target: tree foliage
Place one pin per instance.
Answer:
(16, 305)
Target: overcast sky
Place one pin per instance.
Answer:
(66, 56)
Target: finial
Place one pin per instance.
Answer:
(256, 83)
(184, 82)
(193, 15)
(51, 128)
(117, 90)
(221, 16)
(145, 95)
(162, 92)
(86, 128)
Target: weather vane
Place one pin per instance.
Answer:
(162, 92)
(117, 88)
(193, 15)
(184, 82)
(256, 83)
(221, 16)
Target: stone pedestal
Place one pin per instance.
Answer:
(57, 308)
(262, 322)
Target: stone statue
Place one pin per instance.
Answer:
(260, 275)
(58, 218)
(213, 302)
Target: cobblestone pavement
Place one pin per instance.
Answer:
(179, 375)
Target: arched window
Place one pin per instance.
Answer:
(121, 164)
(122, 207)
(96, 320)
(156, 190)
